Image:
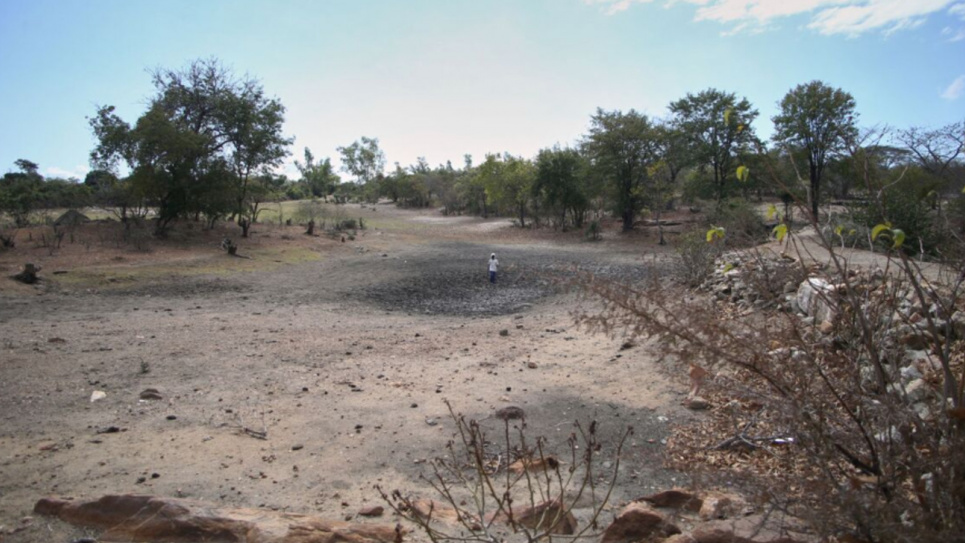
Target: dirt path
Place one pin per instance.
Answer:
(344, 361)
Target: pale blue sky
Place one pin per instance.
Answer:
(442, 78)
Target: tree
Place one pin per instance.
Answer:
(364, 160)
(672, 157)
(319, 177)
(820, 121)
(21, 192)
(204, 132)
(560, 184)
(717, 127)
(508, 181)
(623, 146)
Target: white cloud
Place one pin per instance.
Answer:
(848, 17)
(954, 34)
(78, 172)
(956, 89)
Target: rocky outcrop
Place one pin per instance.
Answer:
(152, 519)
(638, 522)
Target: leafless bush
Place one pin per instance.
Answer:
(854, 424)
(516, 489)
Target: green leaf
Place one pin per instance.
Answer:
(780, 231)
(742, 173)
(715, 233)
(878, 229)
(899, 237)
(727, 114)
(838, 230)
(771, 211)
(728, 267)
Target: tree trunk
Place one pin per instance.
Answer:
(245, 225)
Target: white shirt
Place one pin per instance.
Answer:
(493, 264)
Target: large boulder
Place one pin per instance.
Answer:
(139, 518)
(675, 498)
(817, 298)
(638, 522)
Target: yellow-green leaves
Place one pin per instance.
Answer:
(780, 231)
(885, 230)
(743, 173)
(771, 211)
(839, 231)
(727, 115)
(715, 233)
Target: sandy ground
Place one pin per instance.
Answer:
(344, 359)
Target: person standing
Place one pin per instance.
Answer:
(493, 268)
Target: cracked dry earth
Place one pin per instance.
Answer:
(343, 361)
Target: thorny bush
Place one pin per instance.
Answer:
(518, 489)
(855, 425)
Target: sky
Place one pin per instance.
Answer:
(444, 78)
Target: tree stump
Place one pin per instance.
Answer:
(229, 246)
(29, 274)
(311, 228)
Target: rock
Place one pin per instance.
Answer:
(697, 403)
(534, 464)
(504, 332)
(680, 538)
(510, 412)
(816, 298)
(548, 517)
(917, 390)
(372, 511)
(737, 532)
(719, 506)
(149, 519)
(97, 396)
(150, 394)
(531, 365)
(910, 373)
(432, 510)
(826, 327)
(638, 522)
(675, 498)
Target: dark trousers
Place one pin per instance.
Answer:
(492, 277)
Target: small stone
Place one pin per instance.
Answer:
(297, 447)
(172, 417)
(697, 404)
(531, 365)
(97, 395)
(504, 332)
(372, 511)
(150, 394)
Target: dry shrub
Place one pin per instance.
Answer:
(855, 427)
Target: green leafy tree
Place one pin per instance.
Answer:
(319, 177)
(204, 132)
(664, 173)
(365, 161)
(560, 185)
(623, 146)
(508, 181)
(21, 192)
(717, 127)
(819, 121)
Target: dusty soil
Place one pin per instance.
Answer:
(343, 353)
